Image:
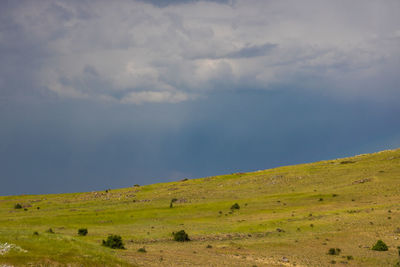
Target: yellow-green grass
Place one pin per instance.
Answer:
(289, 216)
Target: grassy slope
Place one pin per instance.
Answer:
(350, 215)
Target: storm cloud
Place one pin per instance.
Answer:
(136, 52)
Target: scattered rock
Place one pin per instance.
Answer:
(6, 247)
(362, 181)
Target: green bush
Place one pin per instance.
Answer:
(82, 231)
(181, 236)
(35, 233)
(17, 206)
(380, 246)
(235, 206)
(50, 231)
(143, 250)
(334, 251)
(114, 241)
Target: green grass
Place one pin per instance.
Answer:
(357, 194)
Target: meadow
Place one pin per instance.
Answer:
(287, 216)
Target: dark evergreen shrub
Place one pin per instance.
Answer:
(181, 236)
(114, 241)
(143, 250)
(380, 246)
(17, 206)
(82, 231)
(334, 251)
(235, 206)
(50, 231)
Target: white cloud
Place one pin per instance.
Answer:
(138, 52)
(154, 97)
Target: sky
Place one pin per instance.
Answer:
(108, 94)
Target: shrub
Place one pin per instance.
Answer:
(114, 241)
(181, 236)
(143, 250)
(172, 201)
(50, 231)
(82, 231)
(35, 233)
(235, 206)
(334, 251)
(380, 246)
(17, 206)
(209, 246)
(398, 249)
(349, 257)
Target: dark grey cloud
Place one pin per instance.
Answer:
(251, 51)
(164, 3)
(172, 51)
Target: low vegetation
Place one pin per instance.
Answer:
(143, 250)
(235, 206)
(114, 241)
(82, 231)
(380, 246)
(181, 236)
(334, 251)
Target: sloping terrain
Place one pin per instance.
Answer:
(288, 216)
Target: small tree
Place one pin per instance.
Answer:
(181, 236)
(380, 246)
(114, 241)
(17, 206)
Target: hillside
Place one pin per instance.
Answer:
(288, 216)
